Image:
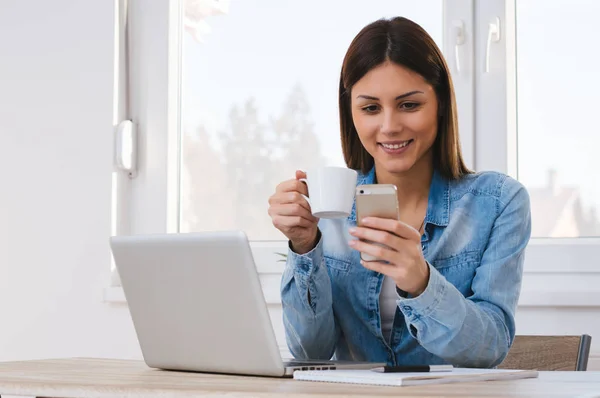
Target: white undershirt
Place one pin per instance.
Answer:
(387, 306)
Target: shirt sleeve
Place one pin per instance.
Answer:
(310, 327)
(477, 331)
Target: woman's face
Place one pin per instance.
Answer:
(395, 114)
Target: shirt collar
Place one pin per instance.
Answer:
(438, 206)
(363, 179)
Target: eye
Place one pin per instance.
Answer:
(409, 106)
(370, 108)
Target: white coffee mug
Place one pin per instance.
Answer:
(331, 191)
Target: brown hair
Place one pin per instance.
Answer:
(407, 44)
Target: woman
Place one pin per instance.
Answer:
(450, 283)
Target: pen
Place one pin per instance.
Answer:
(413, 368)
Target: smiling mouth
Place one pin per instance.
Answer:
(396, 145)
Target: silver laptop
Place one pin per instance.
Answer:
(197, 305)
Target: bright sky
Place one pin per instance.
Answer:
(559, 92)
(263, 54)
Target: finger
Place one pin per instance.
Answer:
(382, 253)
(292, 209)
(292, 186)
(289, 198)
(378, 266)
(300, 174)
(291, 222)
(376, 235)
(396, 227)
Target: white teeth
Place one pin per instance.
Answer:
(396, 146)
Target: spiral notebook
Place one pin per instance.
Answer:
(458, 375)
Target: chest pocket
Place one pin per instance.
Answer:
(337, 264)
(459, 269)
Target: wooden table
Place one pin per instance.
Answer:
(83, 377)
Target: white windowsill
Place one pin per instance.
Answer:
(529, 298)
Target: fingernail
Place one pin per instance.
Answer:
(366, 220)
(352, 230)
(352, 242)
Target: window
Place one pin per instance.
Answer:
(259, 94)
(522, 81)
(557, 115)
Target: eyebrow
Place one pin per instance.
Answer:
(397, 98)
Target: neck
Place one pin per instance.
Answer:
(413, 185)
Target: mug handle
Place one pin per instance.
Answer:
(304, 180)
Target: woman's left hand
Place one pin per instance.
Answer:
(405, 262)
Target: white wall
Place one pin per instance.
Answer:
(557, 303)
(56, 97)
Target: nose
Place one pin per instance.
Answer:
(390, 122)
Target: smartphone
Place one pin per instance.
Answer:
(376, 200)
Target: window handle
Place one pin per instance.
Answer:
(493, 36)
(458, 28)
(126, 148)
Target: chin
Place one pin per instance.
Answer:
(397, 167)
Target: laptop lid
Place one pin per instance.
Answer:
(196, 302)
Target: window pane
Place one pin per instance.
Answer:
(558, 97)
(259, 93)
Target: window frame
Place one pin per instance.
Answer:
(496, 138)
(148, 50)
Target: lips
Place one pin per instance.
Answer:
(395, 147)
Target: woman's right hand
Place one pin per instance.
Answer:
(291, 214)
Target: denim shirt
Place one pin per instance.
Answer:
(475, 233)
